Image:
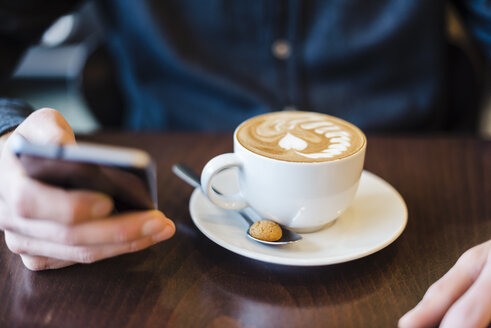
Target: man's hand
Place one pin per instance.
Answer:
(50, 227)
(461, 298)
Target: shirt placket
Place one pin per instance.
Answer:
(284, 49)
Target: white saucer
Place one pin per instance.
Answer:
(377, 216)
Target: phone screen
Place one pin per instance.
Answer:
(131, 187)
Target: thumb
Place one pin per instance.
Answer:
(45, 126)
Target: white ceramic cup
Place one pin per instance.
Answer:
(303, 196)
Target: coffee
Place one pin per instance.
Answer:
(300, 136)
(306, 174)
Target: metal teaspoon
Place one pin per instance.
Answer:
(187, 175)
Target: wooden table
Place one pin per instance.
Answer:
(189, 281)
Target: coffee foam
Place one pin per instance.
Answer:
(300, 136)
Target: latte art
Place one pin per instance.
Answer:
(300, 136)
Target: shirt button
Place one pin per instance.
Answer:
(289, 108)
(281, 49)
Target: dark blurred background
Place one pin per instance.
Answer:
(70, 68)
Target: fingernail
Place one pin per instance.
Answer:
(166, 233)
(102, 207)
(152, 226)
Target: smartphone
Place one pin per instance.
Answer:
(127, 175)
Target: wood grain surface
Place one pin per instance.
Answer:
(189, 281)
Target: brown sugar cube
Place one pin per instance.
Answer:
(266, 230)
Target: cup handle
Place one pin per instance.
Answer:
(211, 169)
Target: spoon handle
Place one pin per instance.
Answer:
(188, 175)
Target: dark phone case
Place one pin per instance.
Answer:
(126, 186)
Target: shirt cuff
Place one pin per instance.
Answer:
(12, 113)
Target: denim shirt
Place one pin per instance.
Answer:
(210, 64)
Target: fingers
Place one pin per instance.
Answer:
(37, 263)
(20, 244)
(473, 309)
(29, 198)
(49, 245)
(443, 293)
(438, 299)
(51, 227)
(4, 216)
(116, 229)
(45, 126)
